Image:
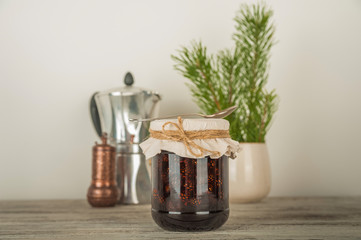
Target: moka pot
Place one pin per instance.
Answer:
(111, 112)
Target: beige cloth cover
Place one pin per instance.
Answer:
(225, 146)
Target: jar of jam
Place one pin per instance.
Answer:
(190, 172)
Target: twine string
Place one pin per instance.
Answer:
(187, 137)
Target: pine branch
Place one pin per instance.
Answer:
(209, 85)
(236, 77)
(255, 39)
(196, 65)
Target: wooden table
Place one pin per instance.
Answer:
(274, 218)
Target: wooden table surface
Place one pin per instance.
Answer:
(273, 218)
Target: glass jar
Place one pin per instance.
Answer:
(189, 194)
(190, 172)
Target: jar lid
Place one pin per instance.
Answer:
(191, 138)
(192, 124)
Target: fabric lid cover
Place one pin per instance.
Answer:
(225, 146)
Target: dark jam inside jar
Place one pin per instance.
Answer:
(189, 194)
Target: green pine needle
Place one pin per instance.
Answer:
(235, 76)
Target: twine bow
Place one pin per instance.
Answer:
(187, 137)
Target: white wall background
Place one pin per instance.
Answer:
(55, 54)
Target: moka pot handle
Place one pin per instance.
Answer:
(95, 115)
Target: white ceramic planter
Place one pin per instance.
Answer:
(250, 174)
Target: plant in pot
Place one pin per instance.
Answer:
(238, 77)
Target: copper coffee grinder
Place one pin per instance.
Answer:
(110, 112)
(103, 191)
